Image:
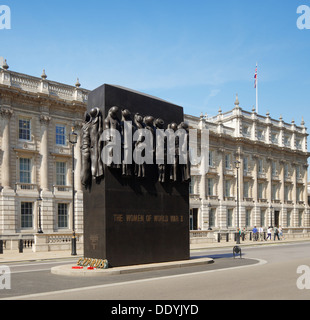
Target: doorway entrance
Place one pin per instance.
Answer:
(193, 219)
(276, 218)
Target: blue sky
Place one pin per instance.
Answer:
(196, 53)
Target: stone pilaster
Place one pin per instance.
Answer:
(6, 114)
(44, 120)
(7, 199)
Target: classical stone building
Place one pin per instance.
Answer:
(271, 156)
(36, 117)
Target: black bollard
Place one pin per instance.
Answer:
(1, 246)
(20, 246)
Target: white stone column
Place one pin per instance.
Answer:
(45, 120)
(282, 182)
(47, 208)
(255, 183)
(294, 178)
(269, 180)
(221, 208)
(221, 176)
(6, 115)
(305, 198)
(7, 199)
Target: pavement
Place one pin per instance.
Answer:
(10, 256)
(224, 244)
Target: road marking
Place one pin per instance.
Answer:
(40, 295)
(34, 264)
(40, 262)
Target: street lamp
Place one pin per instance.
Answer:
(210, 218)
(39, 200)
(237, 163)
(73, 140)
(271, 212)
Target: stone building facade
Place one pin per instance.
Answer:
(36, 116)
(272, 159)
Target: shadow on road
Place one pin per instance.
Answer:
(219, 256)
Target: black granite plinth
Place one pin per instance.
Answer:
(130, 220)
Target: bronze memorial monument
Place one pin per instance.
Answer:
(135, 211)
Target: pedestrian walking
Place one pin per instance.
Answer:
(237, 233)
(243, 234)
(261, 233)
(269, 233)
(255, 234)
(281, 233)
(276, 233)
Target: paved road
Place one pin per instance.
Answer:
(266, 272)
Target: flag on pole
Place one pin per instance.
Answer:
(256, 87)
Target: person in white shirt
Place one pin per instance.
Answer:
(269, 233)
(261, 233)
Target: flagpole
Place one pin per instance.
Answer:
(256, 91)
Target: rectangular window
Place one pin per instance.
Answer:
(274, 191)
(24, 129)
(210, 186)
(191, 185)
(60, 135)
(26, 215)
(230, 217)
(288, 218)
(298, 175)
(260, 166)
(210, 158)
(248, 218)
(61, 173)
(24, 170)
(260, 135)
(274, 138)
(298, 144)
(287, 141)
(62, 215)
(212, 218)
(274, 168)
(286, 192)
(246, 187)
(262, 218)
(298, 192)
(227, 188)
(286, 170)
(300, 215)
(260, 191)
(245, 165)
(227, 161)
